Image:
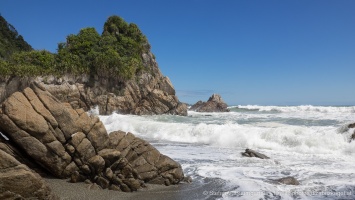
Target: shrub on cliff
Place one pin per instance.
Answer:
(116, 53)
(32, 63)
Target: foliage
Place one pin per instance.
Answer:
(116, 53)
(10, 40)
(32, 63)
(4, 68)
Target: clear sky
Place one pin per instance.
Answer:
(264, 52)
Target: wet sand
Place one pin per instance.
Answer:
(203, 189)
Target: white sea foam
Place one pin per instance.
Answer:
(302, 108)
(307, 142)
(268, 135)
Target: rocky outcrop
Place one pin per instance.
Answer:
(149, 93)
(288, 181)
(352, 137)
(252, 153)
(214, 104)
(67, 142)
(17, 181)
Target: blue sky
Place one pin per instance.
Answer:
(251, 52)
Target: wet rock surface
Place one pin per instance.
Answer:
(288, 181)
(252, 153)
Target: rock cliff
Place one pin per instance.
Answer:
(150, 93)
(67, 142)
(214, 104)
(115, 71)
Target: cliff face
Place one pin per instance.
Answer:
(115, 71)
(150, 93)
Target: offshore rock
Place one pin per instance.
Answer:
(252, 153)
(149, 93)
(68, 143)
(214, 104)
(353, 135)
(288, 181)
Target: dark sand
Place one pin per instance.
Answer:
(203, 189)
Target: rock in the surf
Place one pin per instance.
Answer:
(288, 181)
(353, 135)
(214, 104)
(252, 153)
(351, 125)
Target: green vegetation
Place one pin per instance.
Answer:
(31, 63)
(10, 40)
(117, 53)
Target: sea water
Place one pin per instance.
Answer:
(309, 143)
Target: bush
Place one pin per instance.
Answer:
(32, 63)
(4, 68)
(117, 53)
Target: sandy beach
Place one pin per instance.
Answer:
(204, 189)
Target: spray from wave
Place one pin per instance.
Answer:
(269, 135)
(310, 143)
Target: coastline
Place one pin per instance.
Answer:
(202, 189)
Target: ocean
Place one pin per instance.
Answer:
(310, 143)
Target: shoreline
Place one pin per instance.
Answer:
(199, 189)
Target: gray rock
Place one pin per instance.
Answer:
(94, 186)
(98, 163)
(188, 179)
(352, 137)
(252, 153)
(115, 188)
(110, 155)
(132, 183)
(288, 181)
(77, 177)
(214, 104)
(102, 182)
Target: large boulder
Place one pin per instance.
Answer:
(17, 181)
(68, 142)
(214, 104)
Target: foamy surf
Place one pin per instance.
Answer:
(307, 142)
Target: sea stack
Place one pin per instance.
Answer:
(214, 104)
